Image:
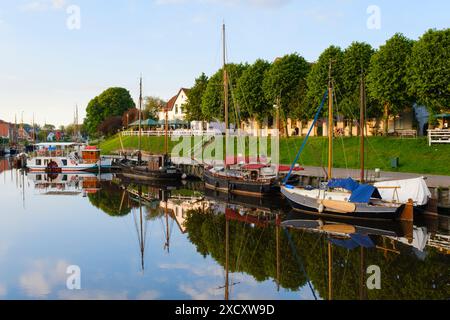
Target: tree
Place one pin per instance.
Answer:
(213, 98)
(283, 80)
(131, 116)
(317, 80)
(110, 125)
(112, 102)
(386, 81)
(193, 106)
(429, 70)
(250, 94)
(152, 105)
(356, 61)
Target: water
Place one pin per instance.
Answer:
(129, 245)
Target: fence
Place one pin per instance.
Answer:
(438, 136)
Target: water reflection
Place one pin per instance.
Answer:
(184, 242)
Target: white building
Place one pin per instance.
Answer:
(175, 106)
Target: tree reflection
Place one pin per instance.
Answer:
(112, 200)
(253, 251)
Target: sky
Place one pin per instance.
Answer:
(56, 54)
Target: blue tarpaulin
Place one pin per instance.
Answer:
(356, 240)
(361, 193)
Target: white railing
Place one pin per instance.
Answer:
(438, 136)
(189, 132)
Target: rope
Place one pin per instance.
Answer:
(306, 138)
(299, 261)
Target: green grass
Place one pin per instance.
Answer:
(414, 154)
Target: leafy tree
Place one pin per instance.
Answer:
(131, 116)
(193, 106)
(112, 102)
(317, 80)
(213, 98)
(110, 125)
(386, 80)
(283, 80)
(250, 94)
(152, 105)
(429, 70)
(356, 61)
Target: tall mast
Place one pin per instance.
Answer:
(140, 120)
(77, 128)
(166, 133)
(330, 123)
(227, 257)
(362, 124)
(225, 89)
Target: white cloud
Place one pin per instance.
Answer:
(43, 5)
(3, 290)
(42, 276)
(254, 3)
(148, 295)
(92, 295)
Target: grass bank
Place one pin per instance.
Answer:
(414, 154)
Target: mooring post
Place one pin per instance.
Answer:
(408, 211)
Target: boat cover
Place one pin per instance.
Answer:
(361, 193)
(415, 189)
(356, 240)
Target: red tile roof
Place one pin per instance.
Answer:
(171, 103)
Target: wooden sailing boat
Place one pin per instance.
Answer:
(341, 197)
(252, 180)
(159, 167)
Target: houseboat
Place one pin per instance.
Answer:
(66, 157)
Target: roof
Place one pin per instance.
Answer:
(57, 144)
(148, 122)
(171, 103)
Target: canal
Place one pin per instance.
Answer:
(129, 241)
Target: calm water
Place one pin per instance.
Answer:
(144, 242)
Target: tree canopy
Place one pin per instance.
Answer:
(283, 80)
(152, 105)
(112, 102)
(386, 80)
(250, 94)
(317, 80)
(213, 98)
(193, 106)
(429, 70)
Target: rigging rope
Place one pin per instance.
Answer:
(299, 261)
(306, 138)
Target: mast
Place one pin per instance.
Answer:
(330, 123)
(227, 258)
(140, 120)
(166, 133)
(330, 271)
(362, 124)
(225, 89)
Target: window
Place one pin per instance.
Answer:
(64, 162)
(176, 108)
(38, 162)
(38, 177)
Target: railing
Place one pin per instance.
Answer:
(189, 132)
(438, 136)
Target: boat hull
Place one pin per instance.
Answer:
(142, 174)
(237, 186)
(363, 211)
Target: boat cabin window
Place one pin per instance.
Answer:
(46, 162)
(64, 162)
(64, 178)
(38, 177)
(254, 174)
(38, 162)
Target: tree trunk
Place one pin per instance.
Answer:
(386, 119)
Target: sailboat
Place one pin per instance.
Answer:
(251, 180)
(159, 167)
(341, 197)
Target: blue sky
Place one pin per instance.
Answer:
(47, 69)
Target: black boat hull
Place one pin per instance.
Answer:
(237, 186)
